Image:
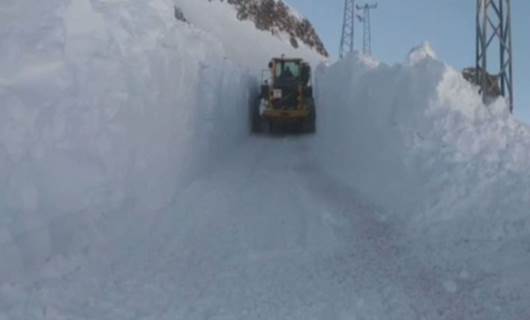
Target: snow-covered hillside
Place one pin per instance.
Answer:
(278, 17)
(242, 41)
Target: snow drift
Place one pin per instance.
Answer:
(106, 107)
(416, 139)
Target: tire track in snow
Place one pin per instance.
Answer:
(388, 257)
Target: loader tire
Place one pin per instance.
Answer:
(255, 117)
(310, 123)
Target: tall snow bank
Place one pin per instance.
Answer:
(417, 140)
(105, 106)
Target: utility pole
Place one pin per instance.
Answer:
(348, 29)
(494, 26)
(367, 26)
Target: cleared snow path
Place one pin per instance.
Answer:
(264, 235)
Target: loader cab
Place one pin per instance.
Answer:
(289, 83)
(285, 72)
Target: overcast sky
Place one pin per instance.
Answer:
(449, 25)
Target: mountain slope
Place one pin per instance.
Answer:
(242, 41)
(276, 16)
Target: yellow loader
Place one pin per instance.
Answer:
(286, 100)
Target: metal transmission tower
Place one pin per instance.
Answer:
(367, 26)
(348, 28)
(494, 25)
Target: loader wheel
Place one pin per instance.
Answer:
(255, 117)
(310, 125)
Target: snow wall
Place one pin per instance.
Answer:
(106, 107)
(416, 140)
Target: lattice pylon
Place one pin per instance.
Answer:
(494, 26)
(347, 44)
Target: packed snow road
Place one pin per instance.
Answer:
(265, 234)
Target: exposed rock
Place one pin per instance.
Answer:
(275, 16)
(179, 15)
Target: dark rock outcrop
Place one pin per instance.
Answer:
(275, 16)
(179, 15)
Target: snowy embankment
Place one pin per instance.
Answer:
(106, 108)
(416, 139)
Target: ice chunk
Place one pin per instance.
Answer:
(421, 53)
